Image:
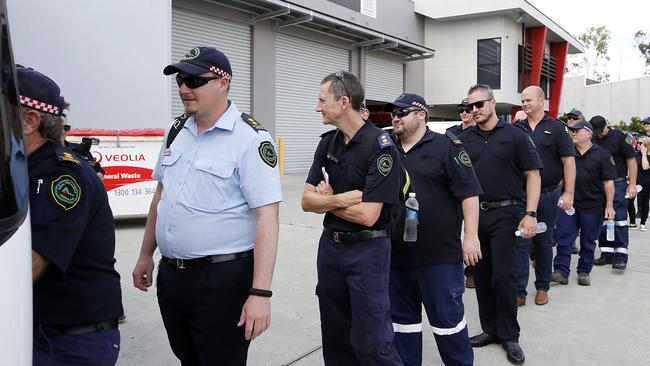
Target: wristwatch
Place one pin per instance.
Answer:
(531, 213)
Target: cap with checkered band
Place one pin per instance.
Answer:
(200, 60)
(39, 92)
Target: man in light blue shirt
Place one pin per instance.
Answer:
(215, 219)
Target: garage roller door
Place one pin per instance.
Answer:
(384, 78)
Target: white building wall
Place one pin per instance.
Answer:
(616, 101)
(107, 57)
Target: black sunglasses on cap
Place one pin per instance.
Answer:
(403, 112)
(464, 110)
(194, 82)
(479, 104)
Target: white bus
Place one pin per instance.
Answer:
(15, 236)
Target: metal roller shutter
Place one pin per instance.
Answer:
(300, 66)
(384, 78)
(234, 39)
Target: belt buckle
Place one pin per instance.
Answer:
(483, 206)
(180, 264)
(336, 236)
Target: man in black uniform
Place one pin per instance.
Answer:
(558, 182)
(505, 160)
(573, 117)
(620, 146)
(465, 117)
(354, 180)
(430, 271)
(77, 296)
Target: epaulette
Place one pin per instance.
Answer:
(453, 138)
(328, 133)
(385, 141)
(64, 155)
(252, 122)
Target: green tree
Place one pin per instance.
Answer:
(593, 61)
(635, 125)
(642, 41)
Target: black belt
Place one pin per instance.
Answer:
(490, 205)
(211, 259)
(619, 179)
(550, 188)
(81, 329)
(354, 237)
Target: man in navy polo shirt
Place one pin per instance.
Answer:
(620, 146)
(558, 181)
(594, 179)
(505, 161)
(77, 295)
(430, 271)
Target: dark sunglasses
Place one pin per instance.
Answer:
(465, 110)
(341, 76)
(402, 113)
(478, 104)
(194, 82)
(573, 117)
(67, 128)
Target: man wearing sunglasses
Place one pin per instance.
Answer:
(465, 117)
(429, 272)
(355, 181)
(217, 199)
(505, 161)
(574, 116)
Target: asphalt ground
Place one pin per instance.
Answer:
(604, 324)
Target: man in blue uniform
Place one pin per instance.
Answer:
(558, 181)
(505, 161)
(620, 146)
(430, 271)
(77, 295)
(595, 174)
(214, 217)
(354, 180)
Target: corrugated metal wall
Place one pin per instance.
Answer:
(384, 78)
(300, 66)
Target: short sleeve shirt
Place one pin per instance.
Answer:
(593, 168)
(552, 144)
(442, 177)
(500, 157)
(368, 162)
(211, 182)
(73, 229)
(620, 146)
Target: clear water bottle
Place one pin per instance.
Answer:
(411, 220)
(609, 226)
(638, 189)
(541, 227)
(570, 211)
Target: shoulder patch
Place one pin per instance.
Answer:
(65, 192)
(252, 122)
(385, 141)
(464, 159)
(453, 138)
(384, 164)
(630, 140)
(267, 153)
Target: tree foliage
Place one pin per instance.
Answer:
(593, 61)
(642, 41)
(635, 125)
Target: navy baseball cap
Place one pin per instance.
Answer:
(407, 100)
(200, 60)
(464, 103)
(646, 121)
(575, 113)
(582, 125)
(39, 92)
(598, 123)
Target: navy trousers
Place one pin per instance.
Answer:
(353, 299)
(617, 249)
(51, 348)
(588, 225)
(440, 288)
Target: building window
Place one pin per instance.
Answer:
(489, 62)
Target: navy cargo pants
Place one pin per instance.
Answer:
(588, 224)
(617, 249)
(353, 299)
(440, 288)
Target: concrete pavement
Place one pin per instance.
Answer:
(603, 324)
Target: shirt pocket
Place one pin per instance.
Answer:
(214, 187)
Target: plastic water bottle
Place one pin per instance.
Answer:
(570, 211)
(541, 227)
(638, 189)
(609, 224)
(411, 220)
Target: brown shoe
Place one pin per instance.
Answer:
(469, 282)
(541, 297)
(521, 301)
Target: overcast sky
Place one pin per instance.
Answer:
(622, 17)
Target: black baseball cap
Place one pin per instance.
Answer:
(582, 125)
(407, 100)
(646, 121)
(598, 123)
(200, 60)
(39, 92)
(575, 113)
(463, 103)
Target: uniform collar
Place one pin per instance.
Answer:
(428, 136)
(226, 122)
(525, 122)
(358, 136)
(593, 148)
(42, 153)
